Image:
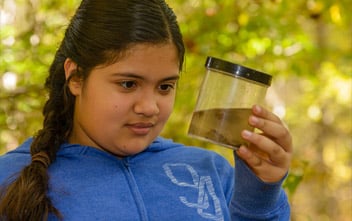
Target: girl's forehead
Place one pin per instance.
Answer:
(145, 59)
(143, 48)
(140, 50)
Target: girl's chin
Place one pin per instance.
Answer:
(130, 149)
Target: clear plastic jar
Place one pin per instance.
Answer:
(224, 103)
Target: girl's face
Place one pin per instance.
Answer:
(121, 108)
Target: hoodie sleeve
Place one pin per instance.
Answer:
(254, 199)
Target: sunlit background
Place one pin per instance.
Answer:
(305, 44)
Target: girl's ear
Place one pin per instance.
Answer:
(75, 82)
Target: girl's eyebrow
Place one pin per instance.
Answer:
(132, 75)
(171, 78)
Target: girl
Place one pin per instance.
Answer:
(99, 155)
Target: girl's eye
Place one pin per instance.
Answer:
(128, 84)
(166, 87)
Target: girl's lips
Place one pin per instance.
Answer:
(140, 128)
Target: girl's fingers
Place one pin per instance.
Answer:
(264, 113)
(263, 169)
(267, 149)
(272, 127)
(269, 152)
(252, 159)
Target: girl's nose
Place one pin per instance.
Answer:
(147, 105)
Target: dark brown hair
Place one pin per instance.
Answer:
(99, 33)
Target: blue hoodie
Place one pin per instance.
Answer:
(167, 181)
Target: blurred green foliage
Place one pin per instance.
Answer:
(305, 44)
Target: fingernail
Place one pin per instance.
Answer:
(253, 120)
(246, 133)
(257, 109)
(243, 150)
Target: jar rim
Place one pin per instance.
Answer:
(237, 70)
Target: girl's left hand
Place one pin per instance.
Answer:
(269, 153)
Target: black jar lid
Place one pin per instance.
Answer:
(238, 70)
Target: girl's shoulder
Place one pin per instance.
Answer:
(13, 161)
